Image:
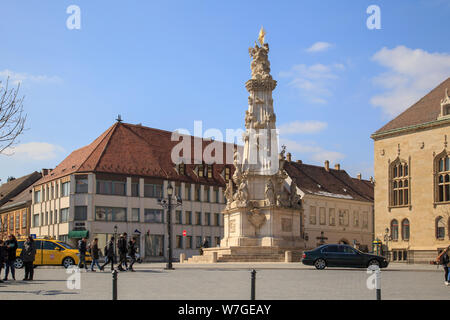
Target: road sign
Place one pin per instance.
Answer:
(33, 236)
(184, 233)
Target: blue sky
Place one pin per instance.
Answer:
(166, 64)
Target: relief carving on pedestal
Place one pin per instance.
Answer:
(256, 218)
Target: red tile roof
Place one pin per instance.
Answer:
(333, 183)
(134, 150)
(12, 188)
(423, 111)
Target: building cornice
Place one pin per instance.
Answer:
(409, 129)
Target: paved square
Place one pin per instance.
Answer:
(232, 281)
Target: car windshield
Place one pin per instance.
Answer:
(65, 245)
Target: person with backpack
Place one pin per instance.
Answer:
(82, 248)
(132, 253)
(109, 254)
(122, 247)
(27, 255)
(444, 260)
(11, 248)
(94, 254)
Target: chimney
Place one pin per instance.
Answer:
(44, 172)
(327, 165)
(337, 166)
(289, 157)
(359, 176)
(299, 161)
(371, 179)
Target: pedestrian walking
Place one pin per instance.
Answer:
(94, 254)
(122, 247)
(82, 248)
(2, 257)
(109, 254)
(444, 260)
(11, 248)
(132, 253)
(27, 255)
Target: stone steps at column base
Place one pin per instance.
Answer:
(251, 258)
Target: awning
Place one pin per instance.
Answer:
(78, 234)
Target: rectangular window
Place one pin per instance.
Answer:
(135, 189)
(178, 214)
(365, 221)
(198, 242)
(188, 242)
(216, 219)
(154, 245)
(216, 195)
(117, 188)
(322, 216)
(188, 217)
(207, 219)
(332, 217)
(179, 242)
(187, 192)
(35, 220)
(50, 217)
(341, 217)
(17, 221)
(217, 241)
(198, 193)
(135, 215)
(110, 214)
(312, 215)
(208, 194)
(46, 218)
(355, 218)
(65, 189)
(55, 218)
(53, 192)
(64, 215)
(37, 196)
(153, 190)
(80, 213)
(198, 218)
(153, 215)
(24, 219)
(81, 184)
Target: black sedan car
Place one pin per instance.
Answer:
(341, 255)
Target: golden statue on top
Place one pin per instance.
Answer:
(262, 34)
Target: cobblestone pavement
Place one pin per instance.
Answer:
(232, 281)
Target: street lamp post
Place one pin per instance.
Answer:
(115, 241)
(167, 204)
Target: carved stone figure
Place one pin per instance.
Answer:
(241, 195)
(237, 164)
(229, 193)
(260, 64)
(269, 192)
(294, 198)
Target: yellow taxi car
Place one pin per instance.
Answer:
(51, 252)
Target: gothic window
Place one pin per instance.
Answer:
(443, 177)
(394, 230)
(440, 228)
(405, 229)
(399, 183)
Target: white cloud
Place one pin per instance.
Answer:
(16, 77)
(311, 151)
(314, 81)
(35, 151)
(299, 127)
(319, 46)
(411, 74)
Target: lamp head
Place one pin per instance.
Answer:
(170, 190)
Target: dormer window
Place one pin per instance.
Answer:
(181, 169)
(445, 106)
(200, 171)
(227, 173)
(210, 175)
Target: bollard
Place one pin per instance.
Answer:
(114, 285)
(253, 280)
(378, 283)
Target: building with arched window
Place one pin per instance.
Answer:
(412, 179)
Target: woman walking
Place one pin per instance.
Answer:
(27, 255)
(11, 248)
(95, 254)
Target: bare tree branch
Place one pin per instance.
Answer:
(12, 117)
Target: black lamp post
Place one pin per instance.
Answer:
(167, 204)
(115, 241)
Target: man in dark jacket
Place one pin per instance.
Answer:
(444, 260)
(95, 254)
(27, 255)
(132, 253)
(2, 257)
(109, 254)
(11, 248)
(122, 247)
(82, 248)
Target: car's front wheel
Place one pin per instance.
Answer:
(67, 262)
(18, 264)
(320, 264)
(374, 262)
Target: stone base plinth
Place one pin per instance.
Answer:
(247, 254)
